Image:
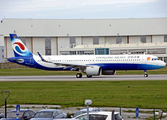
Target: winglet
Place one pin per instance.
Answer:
(43, 58)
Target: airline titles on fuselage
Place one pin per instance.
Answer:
(102, 58)
(118, 57)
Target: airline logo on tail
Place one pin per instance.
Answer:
(19, 48)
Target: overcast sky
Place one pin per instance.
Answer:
(82, 9)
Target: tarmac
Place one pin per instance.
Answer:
(84, 78)
(143, 113)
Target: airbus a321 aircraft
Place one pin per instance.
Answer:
(91, 65)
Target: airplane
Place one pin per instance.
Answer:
(91, 65)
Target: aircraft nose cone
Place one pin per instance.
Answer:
(163, 64)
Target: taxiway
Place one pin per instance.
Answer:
(84, 78)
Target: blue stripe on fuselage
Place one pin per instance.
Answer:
(127, 66)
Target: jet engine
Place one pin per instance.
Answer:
(93, 71)
(108, 72)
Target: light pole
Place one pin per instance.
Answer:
(5, 98)
(88, 102)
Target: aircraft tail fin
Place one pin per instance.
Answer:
(18, 46)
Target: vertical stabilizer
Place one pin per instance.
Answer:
(18, 46)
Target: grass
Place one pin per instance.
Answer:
(31, 71)
(144, 94)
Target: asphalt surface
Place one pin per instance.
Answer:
(84, 78)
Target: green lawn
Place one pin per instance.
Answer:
(144, 94)
(30, 71)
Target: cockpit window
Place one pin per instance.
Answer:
(153, 59)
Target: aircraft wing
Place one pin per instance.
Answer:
(67, 65)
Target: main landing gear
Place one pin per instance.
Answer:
(79, 75)
(89, 76)
(145, 73)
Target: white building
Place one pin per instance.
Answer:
(87, 36)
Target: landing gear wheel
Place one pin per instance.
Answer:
(145, 75)
(79, 75)
(89, 76)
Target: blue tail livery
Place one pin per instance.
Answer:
(18, 47)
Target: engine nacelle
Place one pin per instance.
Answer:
(93, 70)
(108, 72)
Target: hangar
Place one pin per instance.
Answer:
(86, 36)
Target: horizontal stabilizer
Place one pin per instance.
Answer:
(16, 60)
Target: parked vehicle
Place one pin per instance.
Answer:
(25, 114)
(49, 114)
(102, 115)
(84, 110)
(2, 115)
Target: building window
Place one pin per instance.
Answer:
(80, 52)
(143, 38)
(2, 50)
(72, 52)
(118, 39)
(89, 52)
(160, 58)
(165, 59)
(72, 42)
(23, 39)
(95, 40)
(137, 51)
(47, 46)
(64, 52)
(68, 52)
(165, 38)
(157, 51)
(101, 51)
(117, 52)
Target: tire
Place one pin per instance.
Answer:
(145, 75)
(79, 75)
(89, 76)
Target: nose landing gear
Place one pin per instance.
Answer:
(145, 73)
